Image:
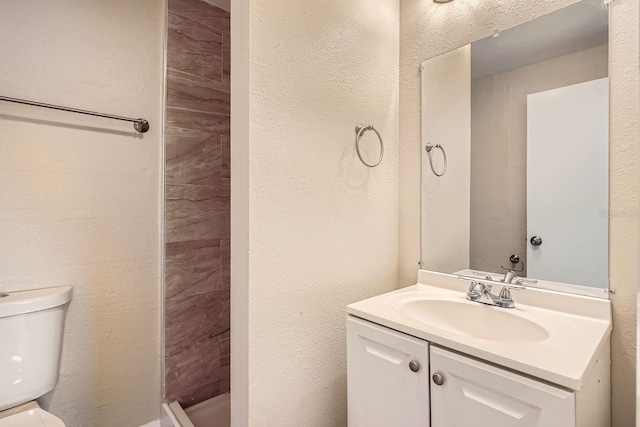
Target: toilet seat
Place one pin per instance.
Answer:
(29, 415)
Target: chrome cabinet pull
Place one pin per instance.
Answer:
(536, 241)
(438, 379)
(414, 366)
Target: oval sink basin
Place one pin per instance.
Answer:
(474, 320)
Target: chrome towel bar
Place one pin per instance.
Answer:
(141, 125)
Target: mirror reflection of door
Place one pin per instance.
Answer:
(567, 183)
(521, 169)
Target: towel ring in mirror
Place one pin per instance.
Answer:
(430, 148)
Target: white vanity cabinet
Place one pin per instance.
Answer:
(473, 393)
(388, 377)
(395, 380)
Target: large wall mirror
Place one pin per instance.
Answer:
(515, 153)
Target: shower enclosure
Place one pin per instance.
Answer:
(197, 203)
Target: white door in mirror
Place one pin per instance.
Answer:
(567, 184)
(466, 392)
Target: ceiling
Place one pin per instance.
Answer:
(575, 28)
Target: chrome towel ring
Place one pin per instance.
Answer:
(360, 130)
(430, 148)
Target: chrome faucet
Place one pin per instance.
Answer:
(509, 277)
(479, 292)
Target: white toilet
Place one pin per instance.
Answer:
(31, 331)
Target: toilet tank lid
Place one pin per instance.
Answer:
(22, 302)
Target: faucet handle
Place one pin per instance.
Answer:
(483, 275)
(505, 294)
(504, 298)
(521, 281)
(481, 288)
(475, 284)
(477, 289)
(514, 287)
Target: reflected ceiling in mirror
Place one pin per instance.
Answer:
(519, 121)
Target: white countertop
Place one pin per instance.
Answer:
(577, 327)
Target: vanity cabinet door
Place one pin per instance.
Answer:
(476, 394)
(387, 377)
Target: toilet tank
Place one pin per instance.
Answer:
(31, 331)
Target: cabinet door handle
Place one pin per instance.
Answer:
(438, 379)
(536, 241)
(414, 366)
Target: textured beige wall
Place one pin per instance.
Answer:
(80, 196)
(446, 199)
(499, 139)
(428, 29)
(322, 228)
(624, 63)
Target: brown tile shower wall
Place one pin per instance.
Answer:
(197, 293)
